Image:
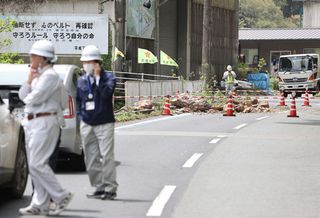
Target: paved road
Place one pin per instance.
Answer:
(152, 153)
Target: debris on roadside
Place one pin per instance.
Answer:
(186, 103)
(143, 105)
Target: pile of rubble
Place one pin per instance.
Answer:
(186, 104)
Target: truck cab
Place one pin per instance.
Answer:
(298, 73)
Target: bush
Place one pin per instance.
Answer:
(10, 58)
(274, 83)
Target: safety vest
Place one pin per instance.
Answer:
(230, 79)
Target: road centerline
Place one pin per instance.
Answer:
(161, 200)
(192, 160)
(240, 126)
(215, 141)
(262, 118)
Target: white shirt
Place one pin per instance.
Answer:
(91, 78)
(45, 94)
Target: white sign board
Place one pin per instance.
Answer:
(69, 33)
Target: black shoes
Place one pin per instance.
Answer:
(102, 195)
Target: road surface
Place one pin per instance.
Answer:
(251, 165)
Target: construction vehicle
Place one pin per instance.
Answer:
(299, 72)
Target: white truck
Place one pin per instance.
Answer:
(299, 72)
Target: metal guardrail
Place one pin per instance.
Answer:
(143, 77)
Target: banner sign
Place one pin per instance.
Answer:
(69, 33)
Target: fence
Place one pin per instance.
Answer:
(123, 77)
(138, 90)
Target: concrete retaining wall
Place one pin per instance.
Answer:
(161, 88)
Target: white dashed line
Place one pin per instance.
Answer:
(262, 118)
(240, 126)
(160, 202)
(192, 160)
(215, 141)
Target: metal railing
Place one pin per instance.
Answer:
(122, 77)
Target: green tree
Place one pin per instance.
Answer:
(289, 8)
(107, 59)
(7, 25)
(262, 14)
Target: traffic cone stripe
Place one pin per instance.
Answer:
(166, 107)
(229, 111)
(306, 102)
(293, 111)
(282, 101)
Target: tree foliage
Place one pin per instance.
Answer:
(289, 8)
(19, 6)
(262, 14)
(7, 25)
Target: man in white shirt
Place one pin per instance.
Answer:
(43, 95)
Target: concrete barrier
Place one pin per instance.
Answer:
(159, 88)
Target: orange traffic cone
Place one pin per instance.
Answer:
(282, 101)
(229, 111)
(166, 107)
(306, 100)
(293, 111)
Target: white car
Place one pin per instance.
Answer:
(14, 75)
(13, 158)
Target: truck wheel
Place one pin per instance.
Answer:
(20, 177)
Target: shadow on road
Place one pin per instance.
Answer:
(306, 123)
(9, 207)
(132, 200)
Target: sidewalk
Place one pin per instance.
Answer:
(270, 169)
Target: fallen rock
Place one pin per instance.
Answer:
(239, 108)
(254, 102)
(264, 104)
(180, 102)
(200, 105)
(247, 110)
(185, 110)
(142, 105)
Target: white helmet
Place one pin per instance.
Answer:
(44, 48)
(91, 53)
(229, 68)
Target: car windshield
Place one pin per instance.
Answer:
(5, 90)
(295, 64)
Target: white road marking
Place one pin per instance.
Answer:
(192, 160)
(160, 202)
(221, 136)
(151, 121)
(262, 118)
(240, 126)
(215, 141)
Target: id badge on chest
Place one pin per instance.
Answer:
(90, 105)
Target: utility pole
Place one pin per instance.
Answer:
(205, 41)
(157, 43)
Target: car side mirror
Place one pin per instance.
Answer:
(14, 101)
